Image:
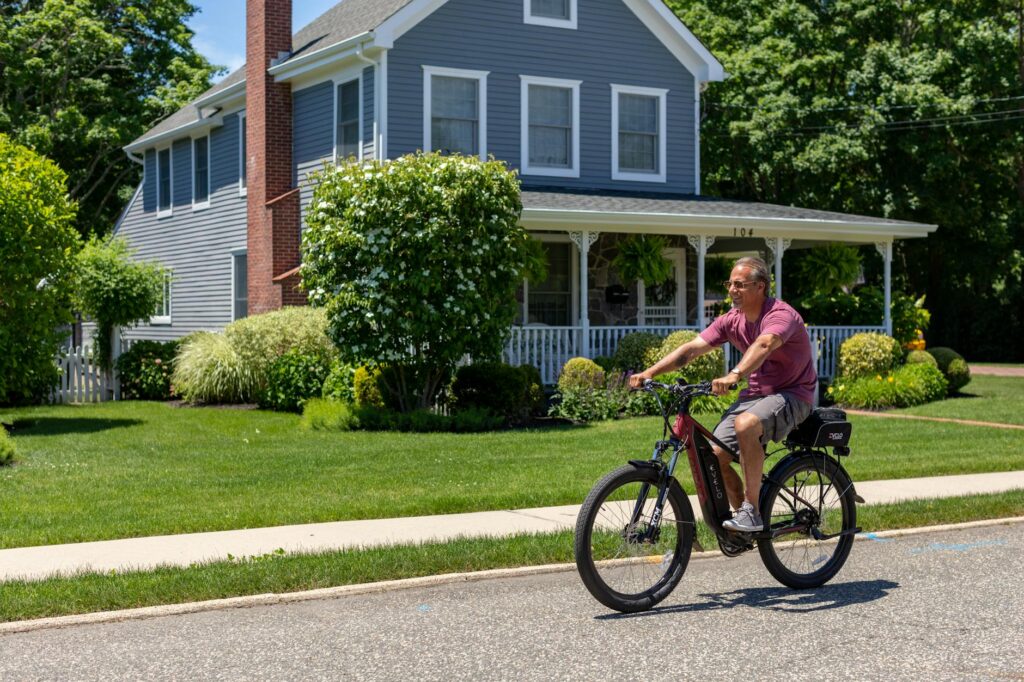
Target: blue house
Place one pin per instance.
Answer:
(595, 102)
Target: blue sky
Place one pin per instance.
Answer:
(220, 27)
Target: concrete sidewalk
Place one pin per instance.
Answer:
(182, 550)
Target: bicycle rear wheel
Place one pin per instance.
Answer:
(625, 563)
(814, 497)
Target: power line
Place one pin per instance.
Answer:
(861, 107)
(883, 127)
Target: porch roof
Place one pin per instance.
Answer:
(560, 209)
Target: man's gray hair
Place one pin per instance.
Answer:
(758, 270)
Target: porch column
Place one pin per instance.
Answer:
(778, 246)
(701, 242)
(583, 242)
(885, 248)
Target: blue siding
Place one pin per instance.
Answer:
(196, 245)
(611, 45)
(312, 134)
(369, 74)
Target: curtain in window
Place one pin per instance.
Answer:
(555, 9)
(550, 132)
(455, 115)
(164, 173)
(550, 302)
(348, 120)
(202, 179)
(638, 133)
(240, 288)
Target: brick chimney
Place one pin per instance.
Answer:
(273, 206)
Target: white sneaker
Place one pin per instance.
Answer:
(745, 520)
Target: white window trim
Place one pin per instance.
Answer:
(169, 211)
(168, 299)
(243, 190)
(524, 125)
(632, 176)
(234, 294)
(481, 76)
(574, 279)
(550, 21)
(336, 84)
(201, 205)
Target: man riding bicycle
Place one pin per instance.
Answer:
(781, 381)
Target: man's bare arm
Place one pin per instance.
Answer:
(681, 356)
(755, 356)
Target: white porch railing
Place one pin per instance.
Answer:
(548, 348)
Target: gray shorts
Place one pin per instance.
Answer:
(779, 413)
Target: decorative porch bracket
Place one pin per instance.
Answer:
(583, 242)
(885, 248)
(778, 246)
(700, 242)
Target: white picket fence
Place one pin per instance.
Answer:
(82, 380)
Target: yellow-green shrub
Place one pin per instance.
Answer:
(868, 354)
(208, 369)
(366, 387)
(7, 449)
(581, 373)
(704, 368)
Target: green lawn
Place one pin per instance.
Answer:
(133, 469)
(986, 398)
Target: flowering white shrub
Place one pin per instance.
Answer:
(417, 261)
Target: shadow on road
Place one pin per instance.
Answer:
(779, 599)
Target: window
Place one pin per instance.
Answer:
(638, 134)
(242, 171)
(550, 302)
(201, 172)
(550, 125)
(455, 111)
(162, 314)
(557, 13)
(349, 133)
(163, 182)
(239, 286)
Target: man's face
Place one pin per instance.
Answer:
(748, 290)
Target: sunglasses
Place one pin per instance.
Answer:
(737, 284)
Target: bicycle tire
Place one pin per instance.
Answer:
(826, 494)
(609, 558)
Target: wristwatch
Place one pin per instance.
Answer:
(736, 371)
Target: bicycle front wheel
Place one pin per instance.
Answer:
(628, 559)
(811, 510)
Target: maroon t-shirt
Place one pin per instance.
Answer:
(788, 369)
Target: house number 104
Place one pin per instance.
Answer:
(742, 232)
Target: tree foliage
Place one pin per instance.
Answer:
(417, 261)
(881, 107)
(80, 79)
(37, 252)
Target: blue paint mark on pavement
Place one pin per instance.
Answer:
(957, 547)
(872, 536)
(423, 608)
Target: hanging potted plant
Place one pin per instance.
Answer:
(640, 258)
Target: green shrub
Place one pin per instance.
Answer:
(510, 392)
(340, 383)
(580, 373)
(907, 386)
(261, 339)
(606, 363)
(146, 369)
(469, 420)
(208, 369)
(7, 449)
(292, 379)
(365, 387)
(328, 415)
(868, 354)
(475, 420)
(631, 353)
(706, 367)
(922, 357)
(953, 367)
(587, 404)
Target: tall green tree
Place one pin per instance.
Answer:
(905, 110)
(79, 79)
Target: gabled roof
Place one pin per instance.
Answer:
(349, 19)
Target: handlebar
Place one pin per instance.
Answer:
(681, 389)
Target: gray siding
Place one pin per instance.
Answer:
(196, 245)
(368, 110)
(312, 135)
(610, 46)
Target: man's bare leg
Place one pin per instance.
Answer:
(749, 431)
(733, 484)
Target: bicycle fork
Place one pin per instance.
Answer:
(651, 533)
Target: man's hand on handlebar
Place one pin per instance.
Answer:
(636, 381)
(723, 385)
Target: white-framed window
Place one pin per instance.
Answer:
(550, 126)
(348, 132)
(557, 13)
(162, 314)
(639, 136)
(239, 285)
(555, 301)
(164, 182)
(455, 111)
(242, 172)
(200, 173)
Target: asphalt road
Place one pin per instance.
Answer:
(943, 606)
